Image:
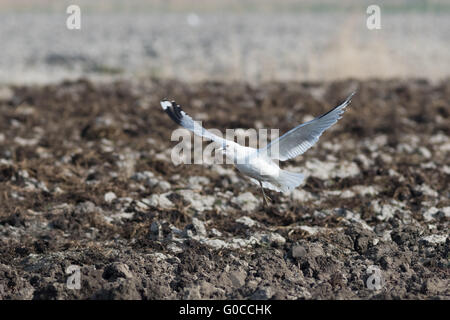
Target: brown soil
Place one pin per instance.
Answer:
(63, 147)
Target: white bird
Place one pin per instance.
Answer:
(259, 164)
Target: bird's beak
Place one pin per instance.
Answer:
(221, 148)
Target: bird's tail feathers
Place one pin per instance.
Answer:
(285, 182)
(289, 180)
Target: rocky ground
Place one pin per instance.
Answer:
(86, 179)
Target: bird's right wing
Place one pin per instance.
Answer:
(301, 138)
(180, 117)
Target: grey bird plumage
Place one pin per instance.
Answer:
(259, 164)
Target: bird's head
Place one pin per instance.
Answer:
(227, 149)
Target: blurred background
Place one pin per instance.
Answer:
(86, 170)
(249, 40)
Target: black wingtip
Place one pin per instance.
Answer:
(173, 110)
(350, 96)
(343, 104)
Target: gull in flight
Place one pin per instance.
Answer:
(259, 164)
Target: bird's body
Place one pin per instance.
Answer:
(259, 164)
(259, 167)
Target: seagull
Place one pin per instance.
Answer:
(260, 164)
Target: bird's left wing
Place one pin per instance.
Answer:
(179, 116)
(301, 138)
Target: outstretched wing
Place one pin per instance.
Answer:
(301, 138)
(179, 116)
